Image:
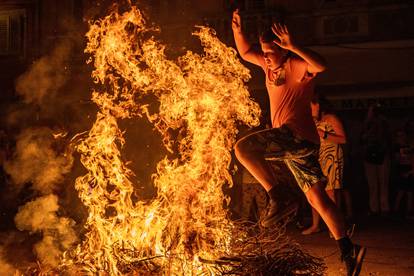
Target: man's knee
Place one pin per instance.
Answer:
(241, 151)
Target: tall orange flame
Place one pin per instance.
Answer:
(202, 97)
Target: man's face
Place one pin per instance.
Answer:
(272, 54)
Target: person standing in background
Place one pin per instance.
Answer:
(403, 159)
(376, 142)
(331, 157)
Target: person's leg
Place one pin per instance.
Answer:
(372, 179)
(316, 218)
(305, 167)
(308, 174)
(251, 151)
(398, 199)
(323, 204)
(300, 216)
(314, 228)
(332, 194)
(352, 254)
(383, 182)
(250, 154)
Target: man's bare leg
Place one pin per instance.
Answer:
(352, 254)
(280, 206)
(316, 218)
(323, 204)
(257, 166)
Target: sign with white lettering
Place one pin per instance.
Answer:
(387, 103)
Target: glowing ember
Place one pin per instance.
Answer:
(201, 97)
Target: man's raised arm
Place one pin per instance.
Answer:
(243, 46)
(316, 63)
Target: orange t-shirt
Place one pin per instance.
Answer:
(290, 102)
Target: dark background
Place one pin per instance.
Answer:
(369, 46)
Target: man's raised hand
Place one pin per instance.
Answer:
(282, 33)
(236, 21)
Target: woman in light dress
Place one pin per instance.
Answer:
(331, 158)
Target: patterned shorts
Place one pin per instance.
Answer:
(280, 144)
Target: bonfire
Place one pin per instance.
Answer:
(185, 229)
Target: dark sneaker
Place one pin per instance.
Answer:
(275, 214)
(354, 259)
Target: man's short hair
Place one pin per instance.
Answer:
(267, 36)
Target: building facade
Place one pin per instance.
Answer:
(29, 29)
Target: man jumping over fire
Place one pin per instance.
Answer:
(293, 138)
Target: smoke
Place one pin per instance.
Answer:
(5, 267)
(46, 76)
(40, 216)
(38, 159)
(42, 158)
(53, 105)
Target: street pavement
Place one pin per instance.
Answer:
(389, 243)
